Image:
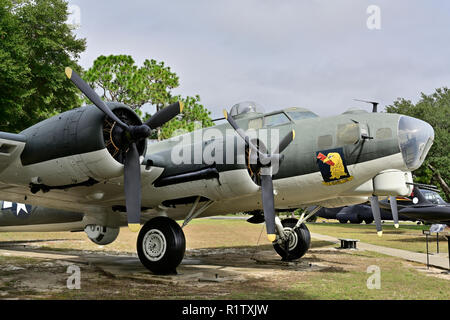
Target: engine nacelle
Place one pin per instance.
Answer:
(101, 235)
(76, 146)
(393, 182)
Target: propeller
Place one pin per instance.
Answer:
(265, 162)
(128, 136)
(376, 214)
(394, 210)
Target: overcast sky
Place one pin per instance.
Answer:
(314, 54)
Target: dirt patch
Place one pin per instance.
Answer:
(204, 273)
(252, 272)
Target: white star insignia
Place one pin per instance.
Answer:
(7, 205)
(21, 206)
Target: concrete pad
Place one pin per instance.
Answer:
(12, 252)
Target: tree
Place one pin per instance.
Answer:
(14, 70)
(121, 80)
(36, 46)
(194, 115)
(434, 109)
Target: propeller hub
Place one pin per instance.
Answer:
(138, 133)
(118, 139)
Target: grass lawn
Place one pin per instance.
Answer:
(407, 237)
(342, 274)
(348, 281)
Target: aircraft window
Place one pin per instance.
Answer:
(255, 123)
(246, 107)
(324, 142)
(276, 120)
(433, 197)
(299, 115)
(415, 137)
(384, 133)
(348, 134)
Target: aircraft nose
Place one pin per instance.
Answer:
(415, 138)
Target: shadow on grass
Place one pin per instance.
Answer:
(24, 246)
(264, 257)
(251, 257)
(320, 244)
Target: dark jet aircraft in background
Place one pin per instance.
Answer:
(424, 204)
(356, 214)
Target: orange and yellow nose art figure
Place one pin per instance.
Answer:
(332, 166)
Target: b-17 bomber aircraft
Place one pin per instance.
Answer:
(94, 169)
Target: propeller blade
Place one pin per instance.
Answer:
(394, 210)
(164, 115)
(132, 184)
(268, 206)
(376, 214)
(285, 142)
(91, 95)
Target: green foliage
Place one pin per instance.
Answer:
(121, 80)
(36, 45)
(434, 109)
(193, 117)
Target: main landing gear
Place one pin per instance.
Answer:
(161, 245)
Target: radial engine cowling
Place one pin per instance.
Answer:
(101, 235)
(77, 145)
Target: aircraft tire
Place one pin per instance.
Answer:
(343, 221)
(161, 245)
(299, 244)
(368, 221)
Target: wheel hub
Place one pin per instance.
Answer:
(292, 238)
(154, 245)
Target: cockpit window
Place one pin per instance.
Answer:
(300, 115)
(276, 120)
(433, 197)
(246, 107)
(255, 123)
